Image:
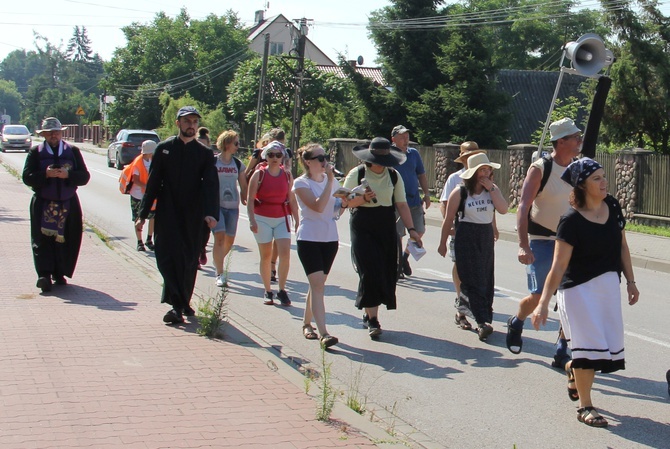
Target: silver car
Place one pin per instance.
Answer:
(127, 146)
(15, 137)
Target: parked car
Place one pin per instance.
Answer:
(127, 145)
(15, 137)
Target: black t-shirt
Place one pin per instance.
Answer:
(596, 248)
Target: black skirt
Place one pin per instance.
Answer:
(474, 247)
(374, 252)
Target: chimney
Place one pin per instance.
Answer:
(259, 17)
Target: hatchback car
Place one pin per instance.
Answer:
(127, 146)
(15, 137)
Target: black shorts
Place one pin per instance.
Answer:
(317, 256)
(135, 209)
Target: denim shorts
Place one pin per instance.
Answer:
(271, 228)
(543, 252)
(227, 221)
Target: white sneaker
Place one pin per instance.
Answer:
(220, 280)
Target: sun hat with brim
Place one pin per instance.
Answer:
(562, 128)
(468, 149)
(475, 163)
(51, 124)
(379, 152)
(275, 145)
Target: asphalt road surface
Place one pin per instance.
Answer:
(437, 381)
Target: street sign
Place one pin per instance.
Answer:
(80, 111)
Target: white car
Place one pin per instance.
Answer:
(15, 137)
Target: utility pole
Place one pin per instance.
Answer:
(261, 89)
(300, 76)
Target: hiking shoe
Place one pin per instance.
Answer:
(514, 340)
(221, 280)
(60, 280)
(273, 276)
(189, 311)
(150, 245)
(268, 299)
(406, 269)
(283, 298)
(44, 283)
(202, 260)
(173, 317)
(140, 246)
(374, 328)
(484, 330)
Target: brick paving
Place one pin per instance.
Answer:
(88, 365)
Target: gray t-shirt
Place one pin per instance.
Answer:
(229, 196)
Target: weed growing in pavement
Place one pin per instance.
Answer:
(213, 312)
(393, 412)
(101, 235)
(328, 392)
(355, 400)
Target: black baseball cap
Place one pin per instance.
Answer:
(188, 110)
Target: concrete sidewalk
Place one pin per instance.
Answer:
(88, 364)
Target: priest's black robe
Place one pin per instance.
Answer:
(184, 181)
(49, 256)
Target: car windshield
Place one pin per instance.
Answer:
(139, 138)
(15, 130)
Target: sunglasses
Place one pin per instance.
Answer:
(320, 158)
(237, 144)
(273, 155)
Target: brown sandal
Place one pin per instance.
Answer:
(591, 417)
(308, 332)
(462, 322)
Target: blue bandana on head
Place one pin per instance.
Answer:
(579, 170)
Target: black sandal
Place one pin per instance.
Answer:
(591, 417)
(462, 322)
(573, 394)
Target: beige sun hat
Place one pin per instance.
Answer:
(475, 162)
(468, 149)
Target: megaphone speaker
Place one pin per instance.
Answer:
(588, 54)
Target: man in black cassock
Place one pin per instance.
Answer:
(54, 169)
(184, 181)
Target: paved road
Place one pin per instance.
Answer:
(444, 387)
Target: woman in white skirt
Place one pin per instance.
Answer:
(591, 253)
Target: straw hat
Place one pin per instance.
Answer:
(475, 163)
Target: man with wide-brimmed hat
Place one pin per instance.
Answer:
(54, 169)
(414, 176)
(544, 198)
(374, 239)
(184, 181)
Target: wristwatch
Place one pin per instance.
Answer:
(493, 189)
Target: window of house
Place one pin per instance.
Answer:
(276, 48)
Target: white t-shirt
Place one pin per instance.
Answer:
(479, 208)
(453, 181)
(316, 226)
(135, 190)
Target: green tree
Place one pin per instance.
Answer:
(466, 106)
(279, 96)
(10, 99)
(175, 56)
(638, 106)
(79, 46)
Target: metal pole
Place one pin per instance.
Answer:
(261, 89)
(553, 103)
(297, 117)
